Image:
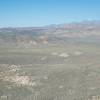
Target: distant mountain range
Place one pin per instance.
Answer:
(86, 31)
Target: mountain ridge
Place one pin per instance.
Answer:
(47, 34)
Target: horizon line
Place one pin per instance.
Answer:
(41, 26)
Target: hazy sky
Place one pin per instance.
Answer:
(43, 12)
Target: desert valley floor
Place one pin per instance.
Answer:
(68, 71)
